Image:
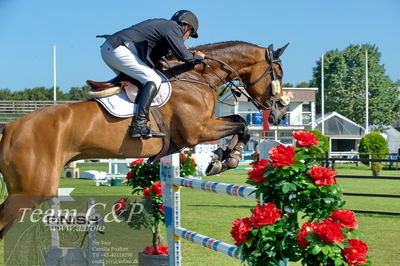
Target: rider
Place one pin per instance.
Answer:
(134, 50)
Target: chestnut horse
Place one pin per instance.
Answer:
(35, 148)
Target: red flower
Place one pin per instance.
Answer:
(147, 192)
(282, 156)
(323, 176)
(136, 162)
(162, 208)
(304, 232)
(156, 188)
(130, 175)
(346, 218)
(120, 205)
(304, 139)
(149, 250)
(162, 250)
(240, 228)
(357, 254)
(182, 157)
(265, 214)
(256, 174)
(329, 231)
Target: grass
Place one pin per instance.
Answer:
(212, 215)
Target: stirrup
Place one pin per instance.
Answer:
(144, 132)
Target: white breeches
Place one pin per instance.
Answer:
(126, 59)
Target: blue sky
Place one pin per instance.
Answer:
(29, 29)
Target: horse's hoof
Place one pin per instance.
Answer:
(232, 163)
(215, 167)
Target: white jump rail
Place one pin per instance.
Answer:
(169, 173)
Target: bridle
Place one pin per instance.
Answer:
(275, 84)
(237, 91)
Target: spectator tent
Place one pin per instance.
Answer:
(344, 134)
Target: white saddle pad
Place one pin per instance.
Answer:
(120, 105)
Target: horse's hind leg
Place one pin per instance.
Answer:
(14, 209)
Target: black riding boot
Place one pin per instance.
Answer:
(139, 129)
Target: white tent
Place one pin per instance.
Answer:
(393, 139)
(344, 134)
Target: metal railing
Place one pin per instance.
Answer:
(255, 118)
(12, 110)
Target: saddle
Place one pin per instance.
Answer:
(124, 83)
(113, 86)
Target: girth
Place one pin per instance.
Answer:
(169, 146)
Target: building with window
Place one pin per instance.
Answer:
(300, 115)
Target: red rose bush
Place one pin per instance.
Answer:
(289, 183)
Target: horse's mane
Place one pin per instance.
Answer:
(220, 50)
(225, 46)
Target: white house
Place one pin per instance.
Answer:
(301, 115)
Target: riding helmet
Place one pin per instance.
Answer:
(187, 17)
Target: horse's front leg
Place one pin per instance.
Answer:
(229, 157)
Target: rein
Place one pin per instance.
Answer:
(236, 91)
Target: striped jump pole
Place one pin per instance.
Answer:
(169, 174)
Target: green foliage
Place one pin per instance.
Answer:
(303, 84)
(373, 143)
(144, 178)
(344, 81)
(287, 85)
(45, 94)
(324, 142)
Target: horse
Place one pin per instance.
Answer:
(35, 147)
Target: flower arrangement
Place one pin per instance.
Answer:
(144, 178)
(292, 183)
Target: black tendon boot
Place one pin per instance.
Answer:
(138, 128)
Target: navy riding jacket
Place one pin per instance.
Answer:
(155, 38)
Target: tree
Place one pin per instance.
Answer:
(376, 144)
(321, 138)
(78, 94)
(287, 85)
(303, 84)
(344, 81)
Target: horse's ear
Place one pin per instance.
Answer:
(280, 51)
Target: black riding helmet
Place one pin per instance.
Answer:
(187, 17)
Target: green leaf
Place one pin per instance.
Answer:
(293, 186)
(328, 200)
(325, 250)
(286, 188)
(316, 249)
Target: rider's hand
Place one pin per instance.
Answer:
(200, 53)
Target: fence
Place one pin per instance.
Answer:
(356, 157)
(169, 173)
(332, 161)
(12, 110)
